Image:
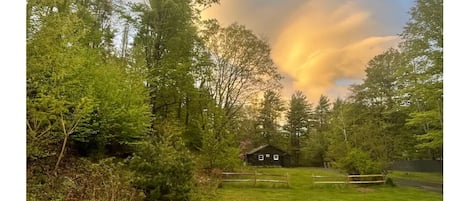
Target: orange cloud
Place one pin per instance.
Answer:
(315, 43)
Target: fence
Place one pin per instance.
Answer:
(254, 177)
(418, 166)
(350, 179)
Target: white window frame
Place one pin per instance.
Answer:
(276, 157)
(260, 157)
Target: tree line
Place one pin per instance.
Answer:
(142, 101)
(395, 113)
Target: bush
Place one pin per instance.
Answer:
(80, 179)
(359, 162)
(205, 185)
(389, 182)
(218, 153)
(164, 169)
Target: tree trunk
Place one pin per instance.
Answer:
(62, 151)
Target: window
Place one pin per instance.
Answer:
(267, 155)
(275, 157)
(260, 157)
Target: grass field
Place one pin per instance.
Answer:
(301, 189)
(418, 176)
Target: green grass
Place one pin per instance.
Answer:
(301, 189)
(418, 176)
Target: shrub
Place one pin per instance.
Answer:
(164, 169)
(389, 182)
(80, 179)
(359, 162)
(218, 153)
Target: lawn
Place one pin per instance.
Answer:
(418, 176)
(301, 189)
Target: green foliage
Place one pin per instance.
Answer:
(321, 113)
(389, 182)
(206, 186)
(359, 162)
(166, 41)
(108, 179)
(218, 150)
(75, 88)
(85, 101)
(396, 113)
(218, 153)
(313, 150)
(269, 114)
(163, 166)
(122, 114)
(298, 124)
(298, 114)
(422, 74)
(317, 142)
(376, 99)
(58, 88)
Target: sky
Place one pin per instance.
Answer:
(319, 46)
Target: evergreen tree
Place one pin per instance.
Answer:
(269, 114)
(298, 124)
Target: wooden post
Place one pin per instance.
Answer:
(255, 177)
(312, 176)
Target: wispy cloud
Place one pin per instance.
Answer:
(315, 43)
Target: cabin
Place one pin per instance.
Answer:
(268, 155)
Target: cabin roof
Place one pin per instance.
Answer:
(257, 149)
(262, 147)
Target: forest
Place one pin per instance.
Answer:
(146, 101)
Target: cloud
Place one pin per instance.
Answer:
(315, 43)
(323, 43)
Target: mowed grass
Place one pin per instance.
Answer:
(418, 176)
(301, 189)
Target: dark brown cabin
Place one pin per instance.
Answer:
(268, 155)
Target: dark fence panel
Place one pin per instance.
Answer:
(418, 166)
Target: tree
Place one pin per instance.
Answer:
(270, 111)
(321, 113)
(338, 133)
(242, 65)
(166, 37)
(396, 113)
(163, 165)
(78, 92)
(372, 120)
(318, 142)
(58, 100)
(422, 75)
(298, 123)
(378, 97)
(121, 115)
